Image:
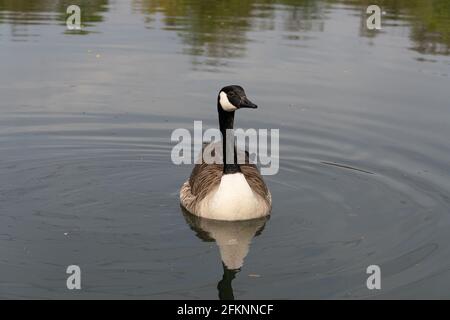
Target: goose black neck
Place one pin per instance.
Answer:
(226, 122)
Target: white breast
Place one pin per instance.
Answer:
(233, 199)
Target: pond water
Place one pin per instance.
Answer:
(87, 178)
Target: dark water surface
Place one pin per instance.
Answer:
(86, 176)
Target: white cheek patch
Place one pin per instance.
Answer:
(225, 103)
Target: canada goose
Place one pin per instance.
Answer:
(228, 191)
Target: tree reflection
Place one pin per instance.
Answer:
(219, 30)
(428, 21)
(215, 31)
(21, 14)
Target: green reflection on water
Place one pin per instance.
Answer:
(427, 20)
(219, 30)
(35, 12)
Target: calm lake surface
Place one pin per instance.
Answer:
(86, 176)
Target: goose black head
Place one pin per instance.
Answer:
(233, 97)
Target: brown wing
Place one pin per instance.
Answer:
(204, 178)
(255, 181)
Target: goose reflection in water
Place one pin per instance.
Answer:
(233, 239)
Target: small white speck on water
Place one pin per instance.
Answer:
(66, 234)
(253, 275)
